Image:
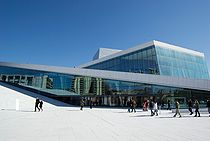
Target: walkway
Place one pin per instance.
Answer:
(71, 124)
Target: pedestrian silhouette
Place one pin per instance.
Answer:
(208, 106)
(129, 103)
(133, 105)
(197, 108)
(177, 109)
(190, 105)
(91, 104)
(37, 104)
(169, 105)
(82, 104)
(40, 105)
(151, 107)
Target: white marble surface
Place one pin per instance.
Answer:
(71, 124)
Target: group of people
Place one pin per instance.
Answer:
(152, 106)
(82, 104)
(192, 105)
(38, 105)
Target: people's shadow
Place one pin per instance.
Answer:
(28, 91)
(142, 116)
(14, 110)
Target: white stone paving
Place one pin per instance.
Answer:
(104, 124)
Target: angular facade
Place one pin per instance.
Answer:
(162, 71)
(156, 58)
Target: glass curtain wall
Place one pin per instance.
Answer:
(103, 92)
(141, 61)
(180, 64)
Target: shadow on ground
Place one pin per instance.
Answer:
(35, 95)
(144, 116)
(14, 110)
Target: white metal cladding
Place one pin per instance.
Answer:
(199, 84)
(142, 46)
(103, 52)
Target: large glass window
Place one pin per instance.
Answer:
(180, 64)
(141, 61)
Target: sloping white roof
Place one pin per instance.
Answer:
(200, 84)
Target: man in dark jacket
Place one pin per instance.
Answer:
(151, 107)
(208, 106)
(129, 103)
(169, 105)
(190, 105)
(37, 104)
(91, 104)
(40, 105)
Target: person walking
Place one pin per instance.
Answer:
(147, 104)
(156, 108)
(208, 106)
(133, 105)
(169, 105)
(197, 106)
(177, 109)
(144, 105)
(37, 104)
(91, 104)
(151, 107)
(129, 103)
(190, 105)
(82, 102)
(40, 105)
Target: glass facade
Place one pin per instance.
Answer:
(180, 64)
(141, 61)
(158, 60)
(103, 92)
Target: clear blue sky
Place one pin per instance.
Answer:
(69, 32)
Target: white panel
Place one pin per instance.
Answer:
(103, 52)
